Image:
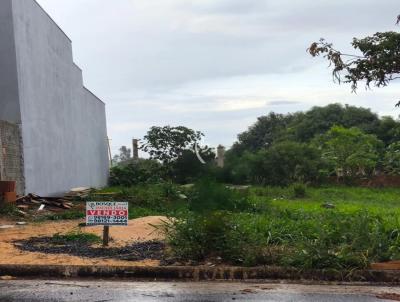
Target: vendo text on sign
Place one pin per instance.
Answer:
(107, 213)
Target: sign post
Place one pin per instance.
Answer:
(106, 235)
(106, 213)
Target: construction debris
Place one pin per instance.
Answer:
(30, 200)
(3, 227)
(78, 193)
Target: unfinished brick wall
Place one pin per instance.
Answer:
(11, 159)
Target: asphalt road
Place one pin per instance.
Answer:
(95, 291)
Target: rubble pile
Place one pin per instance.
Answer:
(78, 193)
(51, 203)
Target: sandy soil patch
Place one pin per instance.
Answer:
(141, 229)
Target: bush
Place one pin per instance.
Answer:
(136, 172)
(299, 190)
(149, 199)
(281, 164)
(391, 161)
(187, 168)
(207, 195)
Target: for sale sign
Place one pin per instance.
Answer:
(106, 213)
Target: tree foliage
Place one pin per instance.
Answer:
(136, 172)
(282, 164)
(377, 61)
(167, 143)
(304, 126)
(187, 167)
(288, 162)
(350, 151)
(391, 161)
(263, 133)
(124, 155)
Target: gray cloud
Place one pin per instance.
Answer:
(214, 64)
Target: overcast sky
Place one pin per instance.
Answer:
(215, 65)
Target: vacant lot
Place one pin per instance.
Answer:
(324, 228)
(47, 252)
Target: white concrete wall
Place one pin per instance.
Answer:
(63, 125)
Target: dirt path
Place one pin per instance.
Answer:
(138, 230)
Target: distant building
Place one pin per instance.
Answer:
(53, 133)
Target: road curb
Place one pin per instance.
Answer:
(197, 273)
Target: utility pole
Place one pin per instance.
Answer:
(135, 149)
(221, 156)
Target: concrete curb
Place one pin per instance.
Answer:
(197, 273)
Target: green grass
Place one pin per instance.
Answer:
(149, 199)
(273, 225)
(345, 199)
(76, 236)
(65, 215)
(283, 229)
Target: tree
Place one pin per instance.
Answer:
(350, 151)
(318, 120)
(388, 130)
(187, 167)
(283, 163)
(135, 172)
(263, 133)
(167, 143)
(377, 63)
(304, 126)
(391, 161)
(288, 162)
(124, 155)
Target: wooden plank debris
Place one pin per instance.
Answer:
(33, 200)
(78, 193)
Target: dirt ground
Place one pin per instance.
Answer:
(141, 229)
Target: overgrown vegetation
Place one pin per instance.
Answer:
(280, 229)
(293, 216)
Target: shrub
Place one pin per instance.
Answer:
(350, 151)
(299, 190)
(152, 199)
(207, 195)
(187, 168)
(281, 164)
(391, 161)
(136, 172)
(345, 242)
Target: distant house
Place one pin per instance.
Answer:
(53, 133)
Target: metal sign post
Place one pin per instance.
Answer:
(107, 213)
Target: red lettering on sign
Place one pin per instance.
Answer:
(106, 213)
